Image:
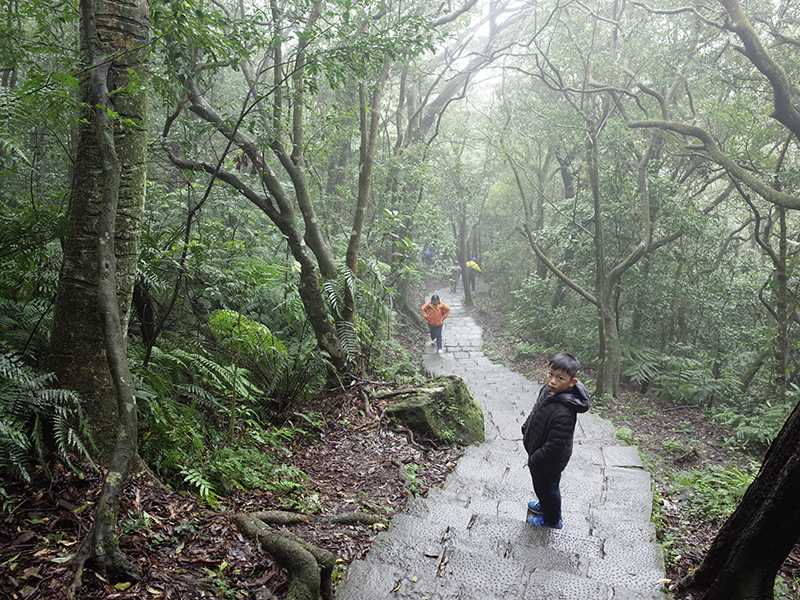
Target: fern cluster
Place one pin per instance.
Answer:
(37, 421)
(679, 379)
(201, 426)
(29, 261)
(758, 427)
(181, 444)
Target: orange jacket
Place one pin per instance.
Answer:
(435, 315)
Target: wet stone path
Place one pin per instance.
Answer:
(469, 540)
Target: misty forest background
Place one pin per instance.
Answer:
(627, 177)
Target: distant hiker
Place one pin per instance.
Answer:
(472, 270)
(435, 312)
(547, 436)
(455, 275)
(428, 253)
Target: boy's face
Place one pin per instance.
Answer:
(559, 381)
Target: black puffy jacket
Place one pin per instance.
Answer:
(548, 430)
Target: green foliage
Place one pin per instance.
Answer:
(392, 362)
(524, 350)
(240, 334)
(246, 468)
(626, 435)
(36, 421)
(181, 27)
(410, 471)
(29, 261)
(714, 493)
(674, 446)
(565, 327)
(335, 291)
(641, 365)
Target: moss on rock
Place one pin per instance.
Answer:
(443, 410)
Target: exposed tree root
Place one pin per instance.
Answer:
(282, 517)
(103, 554)
(310, 567)
(405, 391)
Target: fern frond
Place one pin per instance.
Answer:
(195, 478)
(346, 334)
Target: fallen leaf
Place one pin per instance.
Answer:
(62, 559)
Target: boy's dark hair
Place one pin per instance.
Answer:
(435, 299)
(565, 362)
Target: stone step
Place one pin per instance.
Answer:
(405, 570)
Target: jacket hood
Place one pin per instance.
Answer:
(577, 398)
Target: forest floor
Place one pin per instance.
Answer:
(188, 550)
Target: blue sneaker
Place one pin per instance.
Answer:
(535, 507)
(539, 522)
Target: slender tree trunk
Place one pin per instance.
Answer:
(462, 245)
(606, 375)
(781, 312)
(370, 119)
(611, 359)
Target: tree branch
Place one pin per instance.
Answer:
(710, 147)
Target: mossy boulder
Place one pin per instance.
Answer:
(442, 409)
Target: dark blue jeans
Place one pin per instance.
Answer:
(436, 334)
(546, 488)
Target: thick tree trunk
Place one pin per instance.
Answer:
(756, 539)
(77, 354)
(106, 29)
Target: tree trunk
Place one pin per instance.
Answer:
(753, 543)
(106, 29)
(462, 247)
(610, 366)
(76, 353)
(278, 206)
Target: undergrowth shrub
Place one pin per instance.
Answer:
(679, 379)
(394, 363)
(757, 427)
(30, 258)
(714, 493)
(182, 444)
(283, 376)
(564, 327)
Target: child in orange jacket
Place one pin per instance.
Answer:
(435, 312)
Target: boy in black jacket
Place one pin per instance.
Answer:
(547, 436)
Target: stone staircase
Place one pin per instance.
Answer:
(469, 540)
